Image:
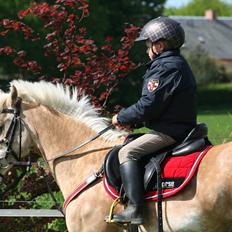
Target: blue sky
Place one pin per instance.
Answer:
(178, 3)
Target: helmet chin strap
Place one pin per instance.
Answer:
(153, 52)
(156, 53)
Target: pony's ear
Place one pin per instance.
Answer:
(13, 95)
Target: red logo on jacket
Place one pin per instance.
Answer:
(152, 85)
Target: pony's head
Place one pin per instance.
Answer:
(57, 98)
(14, 136)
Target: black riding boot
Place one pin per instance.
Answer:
(133, 186)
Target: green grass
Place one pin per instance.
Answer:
(215, 109)
(219, 125)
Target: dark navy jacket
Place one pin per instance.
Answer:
(168, 101)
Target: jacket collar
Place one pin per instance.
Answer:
(167, 53)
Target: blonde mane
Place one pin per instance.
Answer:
(58, 97)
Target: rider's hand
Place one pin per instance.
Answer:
(115, 120)
(118, 125)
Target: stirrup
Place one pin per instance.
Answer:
(109, 218)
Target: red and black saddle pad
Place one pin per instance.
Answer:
(177, 171)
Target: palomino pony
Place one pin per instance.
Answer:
(54, 122)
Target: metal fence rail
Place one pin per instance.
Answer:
(30, 213)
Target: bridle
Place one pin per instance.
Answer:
(15, 123)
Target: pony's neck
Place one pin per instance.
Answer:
(55, 133)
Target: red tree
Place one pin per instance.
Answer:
(71, 57)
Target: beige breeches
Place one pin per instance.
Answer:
(144, 145)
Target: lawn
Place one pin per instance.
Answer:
(220, 126)
(215, 109)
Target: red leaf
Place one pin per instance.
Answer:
(7, 50)
(109, 39)
(47, 45)
(5, 22)
(18, 61)
(4, 33)
(50, 36)
(76, 61)
(21, 53)
(123, 68)
(23, 13)
(71, 18)
(84, 48)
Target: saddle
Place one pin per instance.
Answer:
(195, 141)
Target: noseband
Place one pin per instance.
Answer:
(10, 134)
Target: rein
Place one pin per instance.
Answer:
(82, 144)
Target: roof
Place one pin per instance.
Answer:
(215, 36)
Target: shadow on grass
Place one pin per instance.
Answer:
(215, 99)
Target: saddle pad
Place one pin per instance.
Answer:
(179, 167)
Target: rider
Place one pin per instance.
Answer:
(167, 107)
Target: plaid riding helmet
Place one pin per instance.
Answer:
(163, 28)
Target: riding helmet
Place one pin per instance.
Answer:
(163, 28)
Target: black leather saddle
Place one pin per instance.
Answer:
(195, 141)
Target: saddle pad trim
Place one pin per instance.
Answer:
(152, 196)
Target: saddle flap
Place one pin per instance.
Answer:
(150, 168)
(111, 168)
